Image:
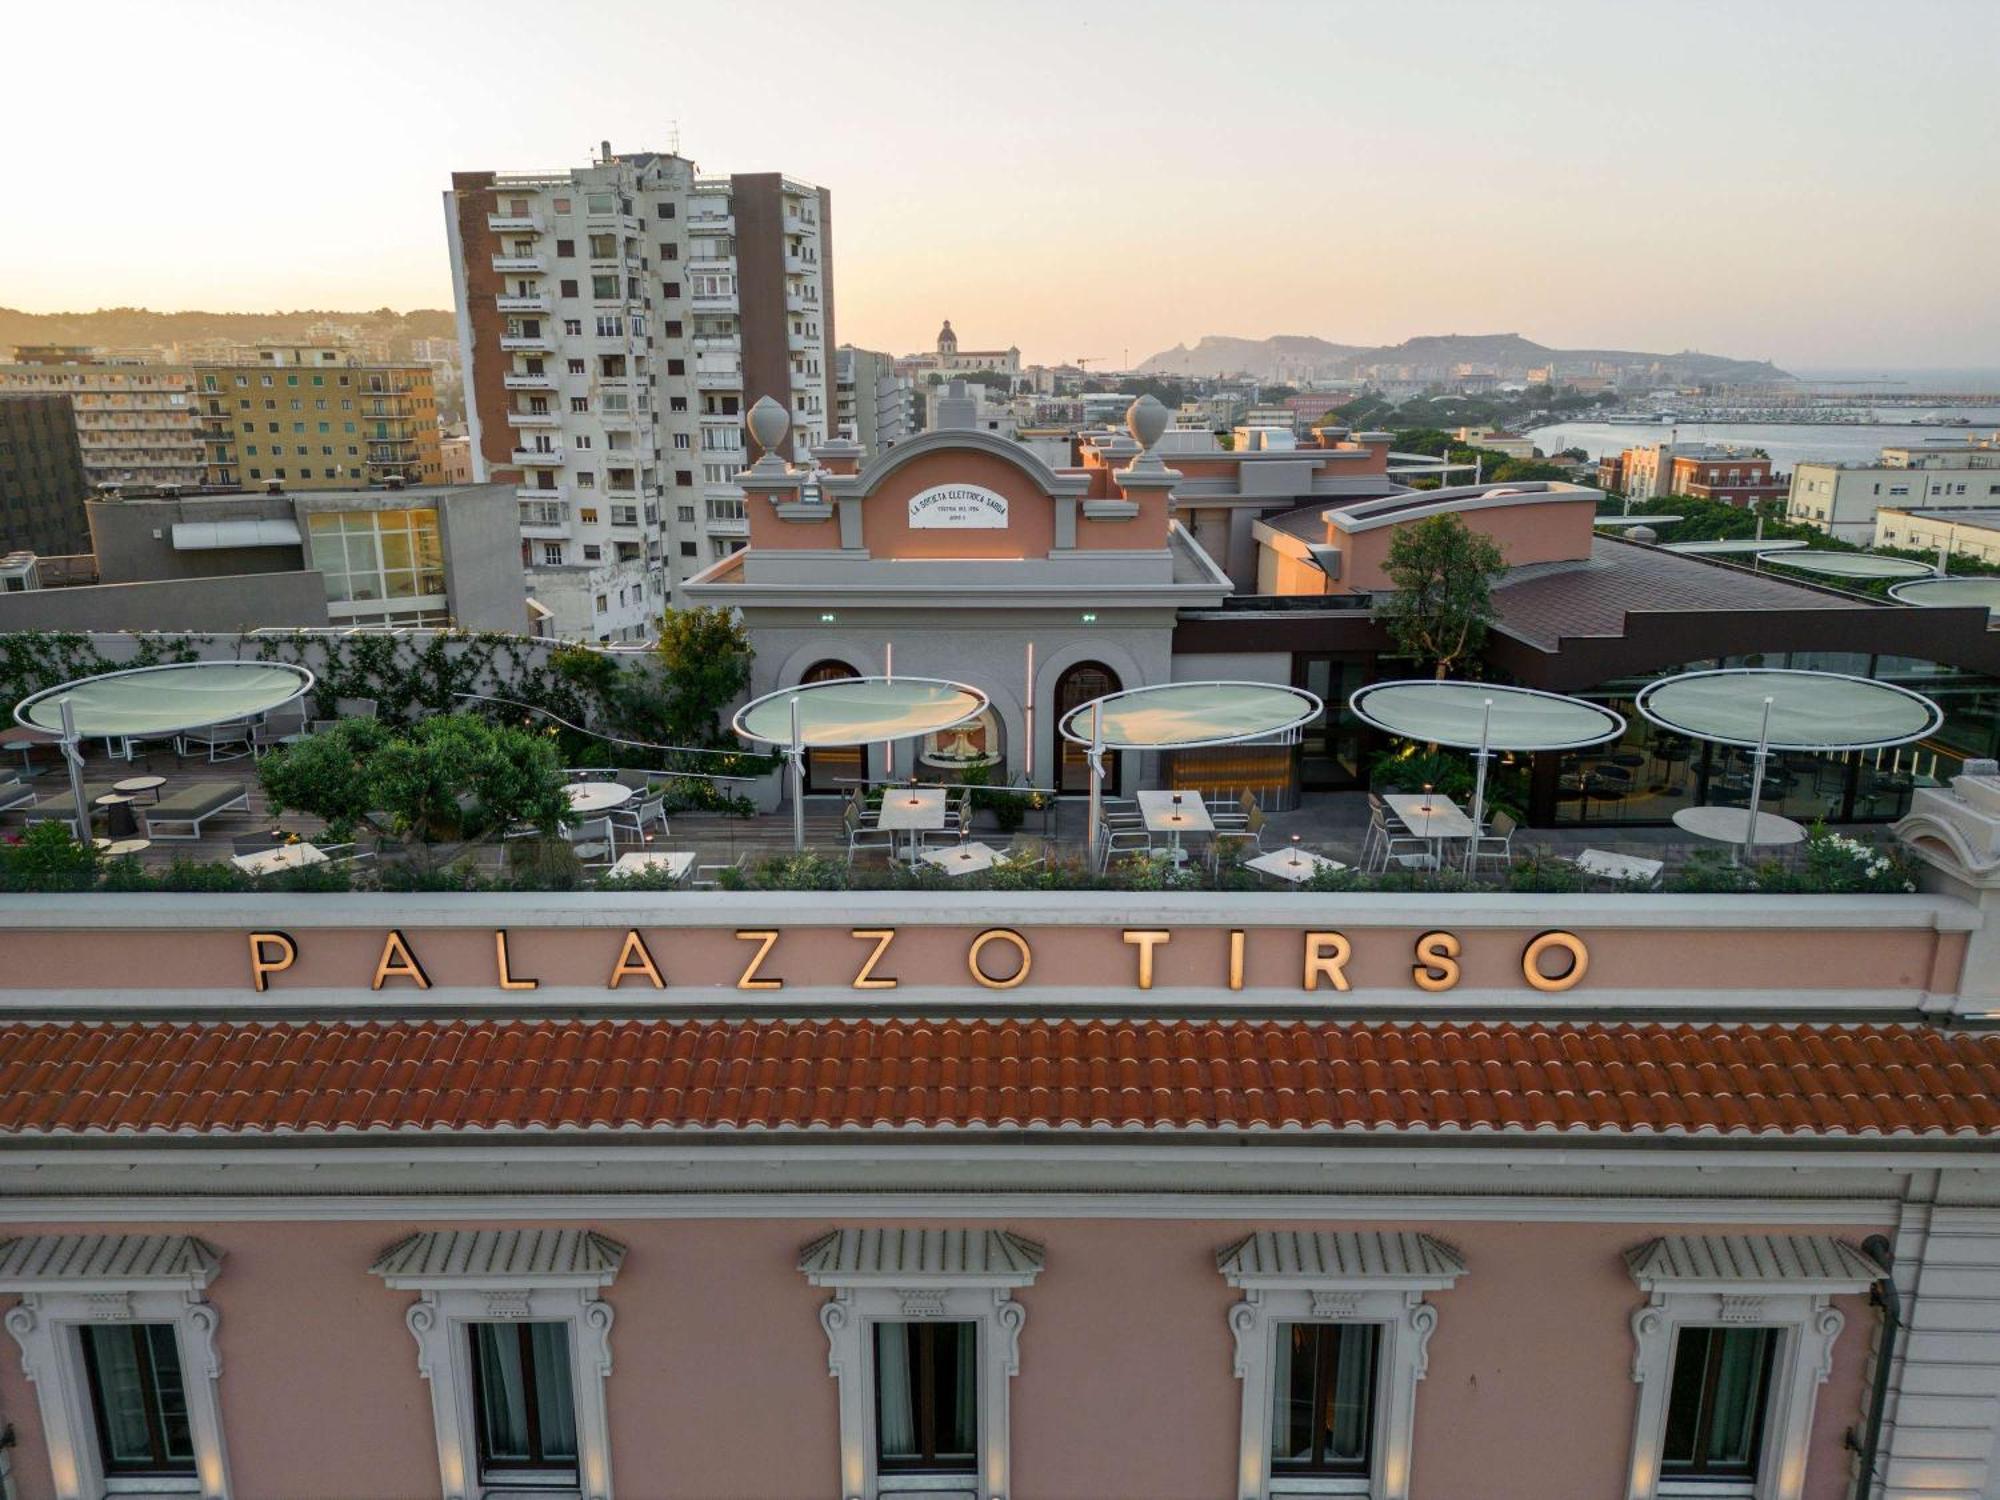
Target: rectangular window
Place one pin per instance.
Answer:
(140, 1401)
(521, 1393)
(1716, 1402)
(1323, 1398)
(926, 1398)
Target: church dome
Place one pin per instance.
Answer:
(947, 340)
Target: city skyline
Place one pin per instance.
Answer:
(1081, 188)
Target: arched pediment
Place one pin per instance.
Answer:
(883, 466)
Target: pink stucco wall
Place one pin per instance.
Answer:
(720, 1386)
(1543, 531)
(1687, 959)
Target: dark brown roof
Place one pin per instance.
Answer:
(1542, 603)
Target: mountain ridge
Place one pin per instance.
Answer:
(1308, 356)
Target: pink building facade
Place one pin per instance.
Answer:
(773, 1195)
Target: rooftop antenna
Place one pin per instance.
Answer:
(673, 137)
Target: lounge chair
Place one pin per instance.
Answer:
(15, 794)
(60, 808)
(192, 806)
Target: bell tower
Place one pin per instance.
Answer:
(947, 340)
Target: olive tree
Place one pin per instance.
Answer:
(1443, 571)
(455, 776)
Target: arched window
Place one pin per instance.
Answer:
(1076, 687)
(838, 768)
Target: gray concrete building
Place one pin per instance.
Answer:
(42, 483)
(873, 405)
(363, 558)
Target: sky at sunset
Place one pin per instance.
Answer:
(1806, 182)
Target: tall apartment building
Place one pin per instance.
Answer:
(42, 484)
(873, 404)
(616, 321)
(310, 419)
(135, 423)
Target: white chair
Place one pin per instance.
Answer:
(1497, 842)
(1389, 842)
(861, 837)
(638, 816)
(593, 842)
(222, 741)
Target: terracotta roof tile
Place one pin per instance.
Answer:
(250, 1077)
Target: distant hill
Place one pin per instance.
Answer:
(1297, 357)
(120, 327)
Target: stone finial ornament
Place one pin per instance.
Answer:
(768, 423)
(1146, 419)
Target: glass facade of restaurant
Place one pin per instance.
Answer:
(1652, 773)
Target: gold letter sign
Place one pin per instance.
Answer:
(264, 963)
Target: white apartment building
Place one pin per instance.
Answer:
(1841, 499)
(615, 322)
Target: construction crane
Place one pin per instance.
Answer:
(1084, 362)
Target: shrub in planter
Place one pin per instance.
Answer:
(48, 858)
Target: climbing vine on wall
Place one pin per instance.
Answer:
(31, 660)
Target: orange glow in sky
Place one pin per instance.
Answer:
(1807, 182)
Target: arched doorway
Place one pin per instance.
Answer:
(1077, 686)
(839, 768)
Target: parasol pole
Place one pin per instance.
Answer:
(888, 746)
(73, 758)
(1479, 784)
(1028, 755)
(797, 755)
(1757, 774)
(1096, 759)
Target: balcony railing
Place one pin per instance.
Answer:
(544, 496)
(514, 223)
(538, 343)
(516, 380)
(534, 419)
(519, 263)
(718, 375)
(539, 302)
(544, 517)
(538, 457)
(714, 302)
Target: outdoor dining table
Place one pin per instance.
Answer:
(1731, 825)
(1606, 865)
(913, 810)
(596, 796)
(132, 786)
(962, 859)
(1432, 817)
(278, 857)
(675, 862)
(1294, 865)
(119, 848)
(1175, 813)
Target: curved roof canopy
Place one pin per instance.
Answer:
(1508, 718)
(1850, 564)
(1188, 715)
(145, 702)
(1729, 545)
(1945, 593)
(1641, 519)
(1809, 710)
(859, 710)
